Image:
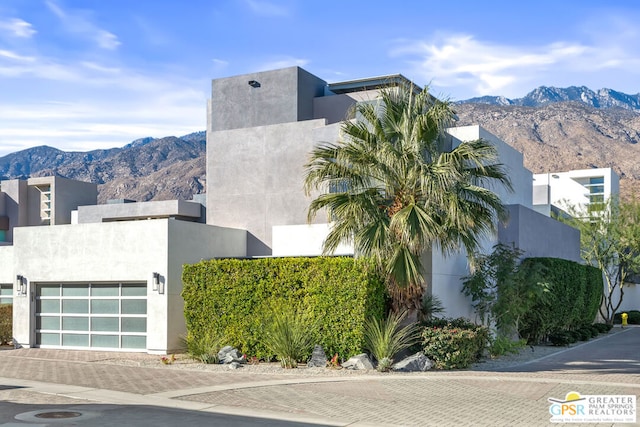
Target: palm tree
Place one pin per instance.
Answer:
(392, 188)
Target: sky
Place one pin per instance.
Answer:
(80, 75)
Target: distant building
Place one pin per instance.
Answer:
(557, 192)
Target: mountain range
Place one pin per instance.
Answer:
(556, 129)
(145, 169)
(603, 98)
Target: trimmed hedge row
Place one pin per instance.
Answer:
(234, 299)
(575, 292)
(6, 323)
(633, 317)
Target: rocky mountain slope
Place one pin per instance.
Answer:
(146, 169)
(565, 135)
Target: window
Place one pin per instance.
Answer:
(6, 293)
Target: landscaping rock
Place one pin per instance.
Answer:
(358, 362)
(318, 358)
(234, 365)
(229, 354)
(416, 363)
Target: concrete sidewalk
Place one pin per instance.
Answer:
(38, 379)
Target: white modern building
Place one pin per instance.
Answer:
(108, 277)
(575, 189)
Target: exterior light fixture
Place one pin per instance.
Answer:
(156, 281)
(254, 83)
(22, 285)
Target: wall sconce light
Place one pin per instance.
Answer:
(22, 285)
(254, 83)
(156, 281)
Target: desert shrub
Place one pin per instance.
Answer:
(454, 347)
(289, 335)
(235, 299)
(6, 323)
(385, 338)
(203, 347)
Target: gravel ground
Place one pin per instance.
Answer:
(182, 361)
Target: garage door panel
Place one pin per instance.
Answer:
(84, 315)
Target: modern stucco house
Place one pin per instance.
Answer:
(109, 277)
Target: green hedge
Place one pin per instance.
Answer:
(6, 323)
(575, 292)
(234, 299)
(633, 317)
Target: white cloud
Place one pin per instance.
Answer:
(267, 8)
(77, 22)
(18, 28)
(15, 56)
(467, 64)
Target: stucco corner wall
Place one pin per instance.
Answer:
(539, 235)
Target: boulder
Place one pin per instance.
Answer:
(230, 354)
(416, 363)
(318, 358)
(358, 362)
(234, 365)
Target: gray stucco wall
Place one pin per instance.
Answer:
(540, 236)
(15, 204)
(255, 179)
(284, 96)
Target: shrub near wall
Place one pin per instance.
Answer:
(6, 323)
(235, 299)
(573, 299)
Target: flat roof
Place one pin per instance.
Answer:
(372, 83)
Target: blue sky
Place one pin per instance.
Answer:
(87, 74)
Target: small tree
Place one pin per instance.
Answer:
(610, 241)
(502, 289)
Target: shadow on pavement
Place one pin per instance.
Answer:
(97, 415)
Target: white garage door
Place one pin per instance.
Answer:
(100, 316)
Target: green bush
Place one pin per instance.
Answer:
(454, 347)
(501, 345)
(584, 334)
(235, 299)
(6, 323)
(575, 291)
(594, 331)
(561, 338)
(603, 328)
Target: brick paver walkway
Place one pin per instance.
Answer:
(510, 398)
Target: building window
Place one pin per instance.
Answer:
(6, 293)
